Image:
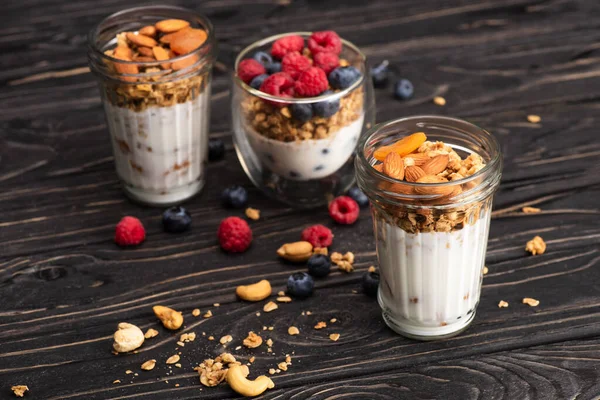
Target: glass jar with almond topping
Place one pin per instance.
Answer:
(154, 67)
(430, 181)
(298, 116)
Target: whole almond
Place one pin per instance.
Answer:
(168, 37)
(417, 159)
(393, 166)
(413, 173)
(171, 25)
(124, 53)
(143, 59)
(141, 40)
(378, 167)
(184, 62)
(145, 51)
(187, 40)
(436, 165)
(161, 54)
(428, 190)
(148, 31)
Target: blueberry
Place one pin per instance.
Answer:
(343, 77)
(216, 149)
(319, 265)
(380, 74)
(176, 220)
(403, 89)
(301, 112)
(263, 58)
(370, 283)
(234, 197)
(258, 80)
(300, 284)
(358, 196)
(326, 108)
(273, 67)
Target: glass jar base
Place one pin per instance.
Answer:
(411, 331)
(173, 197)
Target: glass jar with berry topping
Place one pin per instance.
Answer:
(300, 102)
(153, 66)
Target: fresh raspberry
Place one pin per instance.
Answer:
(326, 61)
(344, 210)
(234, 235)
(318, 236)
(311, 82)
(249, 69)
(325, 41)
(294, 63)
(129, 232)
(279, 84)
(286, 45)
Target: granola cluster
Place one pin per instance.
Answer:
(213, 371)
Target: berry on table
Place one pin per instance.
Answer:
(343, 77)
(318, 235)
(216, 149)
(129, 232)
(249, 68)
(286, 45)
(279, 84)
(257, 81)
(370, 283)
(311, 82)
(300, 284)
(326, 61)
(294, 63)
(344, 210)
(326, 108)
(380, 74)
(403, 89)
(263, 58)
(358, 196)
(301, 112)
(234, 235)
(319, 265)
(234, 197)
(176, 220)
(273, 67)
(325, 41)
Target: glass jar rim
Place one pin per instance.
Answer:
(210, 38)
(294, 100)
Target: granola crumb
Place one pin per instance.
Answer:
(332, 320)
(251, 359)
(226, 339)
(308, 313)
(345, 266)
(187, 337)
(238, 348)
(439, 100)
(334, 336)
(271, 371)
(196, 312)
(321, 325)
(173, 359)
(288, 359)
(269, 350)
(292, 330)
(180, 343)
(531, 302)
(284, 299)
(178, 365)
(19, 390)
(264, 327)
(536, 246)
(534, 119)
(211, 338)
(253, 213)
(320, 250)
(531, 210)
(258, 313)
(217, 304)
(270, 342)
(336, 257)
(150, 333)
(485, 270)
(149, 365)
(116, 381)
(281, 293)
(129, 372)
(270, 306)
(177, 385)
(252, 340)
(282, 366)
(208, 314)
(371, 269)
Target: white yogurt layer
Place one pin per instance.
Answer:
(430, 282)
(160, 152)
(307, 159)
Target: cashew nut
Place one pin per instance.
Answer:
(255, 292)
(296, 252)
(128, 337)
(170, 318)
(245, 387)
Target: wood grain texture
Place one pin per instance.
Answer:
(64, 286)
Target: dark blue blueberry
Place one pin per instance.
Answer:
(358, 196)
(300, 284)
(263, 58)
(319, 265)
(273, 67)
(403, 89)
(370, 283)
(343, 77)
(380, 74)
(301, 112)
(216, 149)
(326, 108)
(258, 80)
(234, 197)
(319, 167)
(294, 174)
(176, 220)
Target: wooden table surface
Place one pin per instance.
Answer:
(64, 284)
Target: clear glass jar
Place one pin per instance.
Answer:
(158, 119)
(431, 238)
(303, 164)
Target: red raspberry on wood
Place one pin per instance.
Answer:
(344, 210)
(129, 232)
(318, 236)
(234, 235)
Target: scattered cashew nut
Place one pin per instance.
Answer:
(246, 387)
(170, 318)
(128, 337)
(296, 252)
(255, 292)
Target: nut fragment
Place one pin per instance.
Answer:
(296, 252)
(531, 302)
(531, 210)
(253, 213)
(345, 266)
(485, 270)
(252, 341)
(170, 318)
(173, 359)
(150, 333)
(19, 390)
(502, 304)
(226, 339)
(321, 325)
(292, 330)
(196, 312)
(270, 306)
(334, 336)
(208, 314)
(149, 365)
(255, 292)
(536, 246)
(284, 299)
(439, 100)
(282, 366)
(238, 382)
(128, 337)
(534, 119)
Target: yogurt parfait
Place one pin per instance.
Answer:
(430, 181)
(300, 104)
(154, 69)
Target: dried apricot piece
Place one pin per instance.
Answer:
(403, 147)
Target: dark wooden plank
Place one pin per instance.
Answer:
(64, 285)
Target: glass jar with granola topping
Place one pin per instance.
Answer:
(300, 102)
(430, 181)
(154, 69)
